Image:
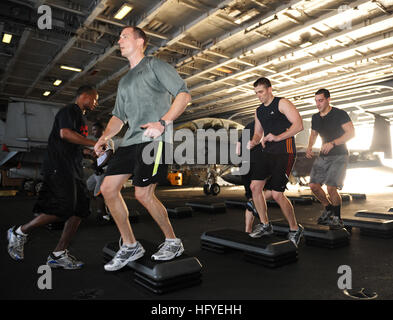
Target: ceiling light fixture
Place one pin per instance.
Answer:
(225, 70)
(46, 93)
(57, 82)
(123, 11)
(7, 38)
(71, 68)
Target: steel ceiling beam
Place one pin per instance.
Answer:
(101, 5)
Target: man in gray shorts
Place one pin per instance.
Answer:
(335, 128)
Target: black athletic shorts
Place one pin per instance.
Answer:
(129, 160)
(246, 180)
(64, 196)
(276, 167)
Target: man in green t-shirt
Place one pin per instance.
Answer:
(143, 102)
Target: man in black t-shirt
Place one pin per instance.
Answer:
(335, 128)
(63, 196)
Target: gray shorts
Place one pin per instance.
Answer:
(329, 170)
(94, 183)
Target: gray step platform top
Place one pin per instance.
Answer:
(373, 214)
(179, 209)
(240, 240)
(158, 270)
(371, 223)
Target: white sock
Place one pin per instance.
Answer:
(19, 231)
(133, 245)
(58, 253)
(172, 240)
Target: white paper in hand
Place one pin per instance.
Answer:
(102, 158)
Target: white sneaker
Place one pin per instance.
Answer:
(169, 250)
(16, 244)
(125, 255)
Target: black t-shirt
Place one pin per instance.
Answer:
(275, 122)
(63, 156)
(257, 150)
(329, 128)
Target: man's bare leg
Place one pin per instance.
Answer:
(319, 193)
(41, 220)
(146, 196)
(110, 189)
(69, 230)
(334, 196)
(286, 208)
(249, 220)
(259, 199)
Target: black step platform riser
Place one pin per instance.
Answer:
(268, 251)
(161, 276)
(180, 212)
(369, 226)
(208, 207)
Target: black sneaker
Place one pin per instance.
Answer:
(325, 216)
(251, 207)
(295, 236)
(261, 230)
(335, 223)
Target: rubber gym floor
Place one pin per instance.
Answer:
(224, 276)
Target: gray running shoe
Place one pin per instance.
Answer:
(169, 250)
(295, 236)
(335, 223)
(325, 216)
(16, 244)
(125, 255)
(64, 261)
(261, 230)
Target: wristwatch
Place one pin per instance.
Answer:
(163, 123)
(334, 144)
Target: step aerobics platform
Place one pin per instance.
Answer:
(241, 203)
(218, 207)
(160, 276)
(316, 235)
(179, 212)
(374, 224)
(269, 251)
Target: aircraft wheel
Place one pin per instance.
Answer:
(206, 189)
(28, 185)
(38, 186)
(215, 189)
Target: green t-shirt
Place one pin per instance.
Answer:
(144, 95)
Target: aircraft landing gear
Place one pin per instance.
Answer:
(206, 189)
(211, 186)
(213, 189)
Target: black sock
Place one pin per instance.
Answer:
(337, 211)
(329, 207)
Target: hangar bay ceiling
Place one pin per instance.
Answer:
(219, 47)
